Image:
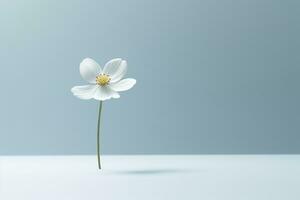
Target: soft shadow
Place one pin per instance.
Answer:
(150, 171)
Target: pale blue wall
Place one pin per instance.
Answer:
(213, 76)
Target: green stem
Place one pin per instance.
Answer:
(98, 135)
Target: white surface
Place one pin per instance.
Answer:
(261, 177)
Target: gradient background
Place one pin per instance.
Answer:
(213, 76)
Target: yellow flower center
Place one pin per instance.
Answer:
(102, 79)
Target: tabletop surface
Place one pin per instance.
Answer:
(155, 177)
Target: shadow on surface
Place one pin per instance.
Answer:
(151, 171)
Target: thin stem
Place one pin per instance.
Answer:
(98, 135)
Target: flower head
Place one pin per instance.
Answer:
(104, 84)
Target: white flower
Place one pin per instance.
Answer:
(104, 84)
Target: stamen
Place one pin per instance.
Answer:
(102, 79)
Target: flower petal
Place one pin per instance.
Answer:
(84, 92)
(116, 95)
(116, 69)
(89, 69)
(104, 93)
(123, 85)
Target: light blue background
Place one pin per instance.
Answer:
(213, 76)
